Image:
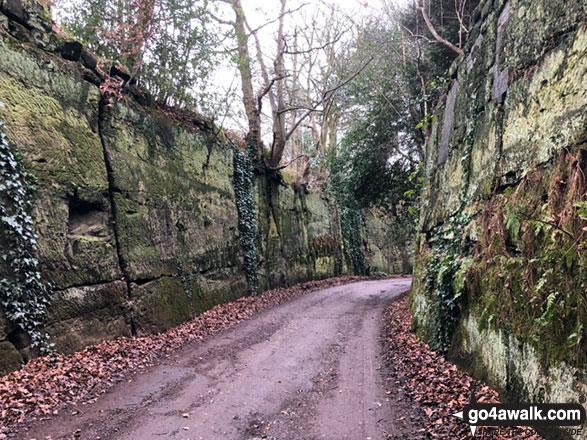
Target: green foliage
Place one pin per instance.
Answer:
(364, 176)
(23, 295)
(386, 102)
(367, 175)
(178, 56)
(247, 221)
(388, 115)
(448, 254)
(412, 195)
(351, 222)
(426, 122)
(529, 274)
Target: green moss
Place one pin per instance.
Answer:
(460, 276)
(208, 293)
(159, 305)
(531, 272)
(57, 139)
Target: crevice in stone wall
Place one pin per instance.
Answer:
(501, 180)
(209, 146)
(111, 190)
(273, 214)
(143, 281)
(85, 218)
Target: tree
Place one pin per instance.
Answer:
(277, 85)
(169, 46)
(387, 113)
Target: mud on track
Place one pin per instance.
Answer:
(307, 369)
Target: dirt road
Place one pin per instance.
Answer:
(308, 369)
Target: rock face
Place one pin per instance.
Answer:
(135, 211)
(502, 229)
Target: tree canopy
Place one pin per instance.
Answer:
(328, 95)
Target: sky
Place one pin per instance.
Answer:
(259, 13)
(226, 80)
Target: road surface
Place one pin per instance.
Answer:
(307, 369)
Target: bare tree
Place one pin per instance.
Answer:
(460, 10)
(279, 82)
(423, 8)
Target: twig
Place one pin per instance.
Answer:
(281, 167)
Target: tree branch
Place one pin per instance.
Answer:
(220, 20)
(267, 89)
(326, 96)
(433, 31)
(313, 49)
(281, 167)
(267, 23)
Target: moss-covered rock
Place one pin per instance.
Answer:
(52, 116)
(159, 304)
(81, 316)
(135, 209)
(10, 358)
(388, 244)
(515, 168)
(174, 201)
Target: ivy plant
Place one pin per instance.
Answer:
(247, 220)
(23, 295)
(447, 257)
(351, 226)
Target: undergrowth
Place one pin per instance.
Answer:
(530, 272)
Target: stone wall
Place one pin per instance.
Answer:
(502, 229)
(389, 246)
(135, 208)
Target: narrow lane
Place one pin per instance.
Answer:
(308, 369)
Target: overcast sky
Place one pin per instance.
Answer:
(259, 13)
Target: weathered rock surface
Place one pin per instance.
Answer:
(505, 176)
(87, 315)
(135, 211)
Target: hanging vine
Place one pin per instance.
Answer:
(23, 295)
(247, 221)
(351, 225)
(448, 254)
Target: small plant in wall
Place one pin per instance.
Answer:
(23, 295)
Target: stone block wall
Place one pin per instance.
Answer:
(135, 208)
(505, 194)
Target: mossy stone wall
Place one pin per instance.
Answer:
(510, 159)
(135, 210)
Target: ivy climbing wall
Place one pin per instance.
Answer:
(144, 217)
(500, 267)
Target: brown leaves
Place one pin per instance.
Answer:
(438, 386)
(46, 384)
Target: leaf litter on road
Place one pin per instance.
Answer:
(436, 386)
(45, 385)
